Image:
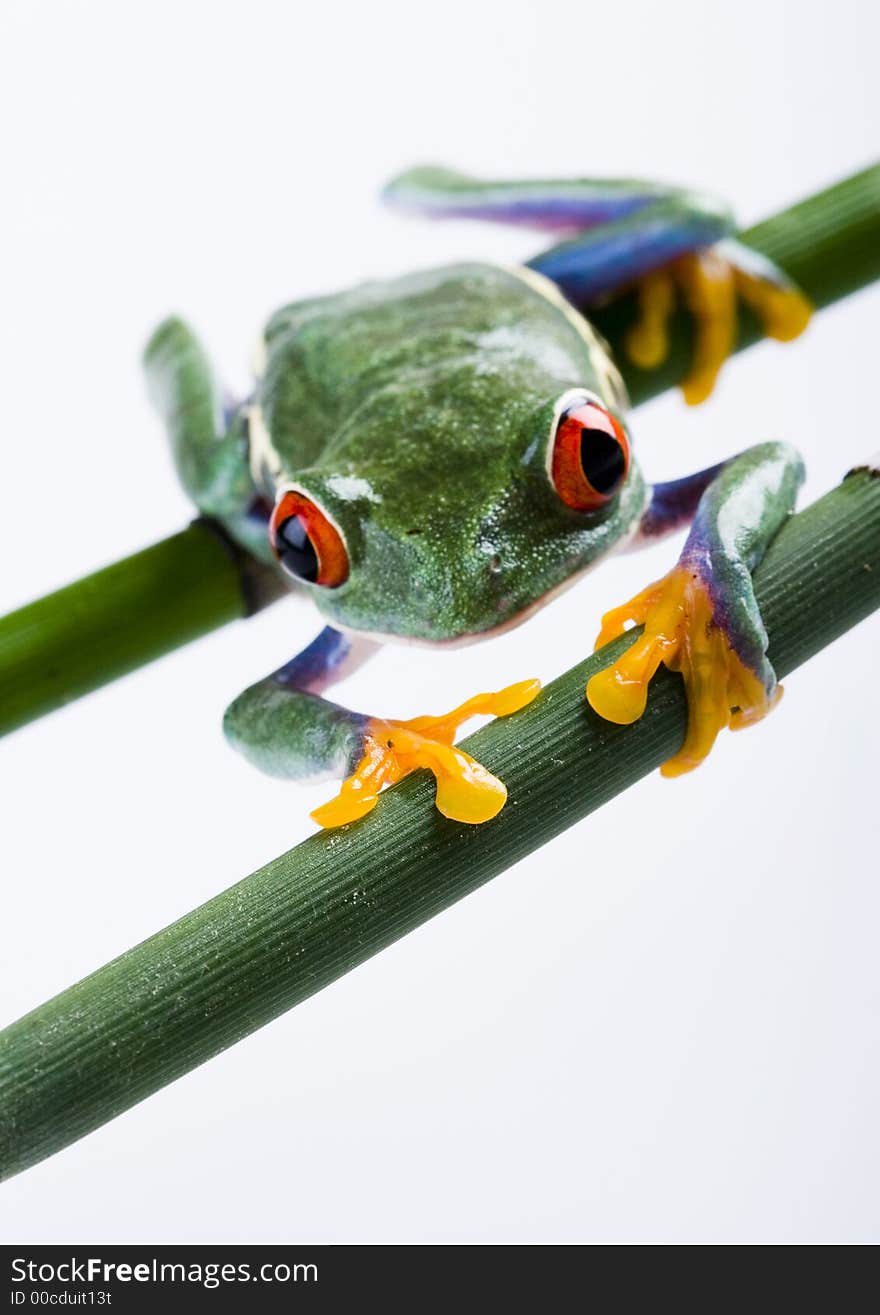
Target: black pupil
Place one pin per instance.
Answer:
(296, 551)
(602, 460)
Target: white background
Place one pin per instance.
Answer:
(663, 1027)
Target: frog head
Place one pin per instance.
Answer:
(443, 511)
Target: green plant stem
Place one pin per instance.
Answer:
(106, 625)
(322, 908)
(109, 623)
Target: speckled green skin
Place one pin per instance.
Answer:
(210, 448)
(418, 412)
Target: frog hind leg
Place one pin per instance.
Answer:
(209, 440)
(702, 619)
(675, 250)
(284, 726)
(561, 206)
(666, 242)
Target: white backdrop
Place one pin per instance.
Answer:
(664, 1026)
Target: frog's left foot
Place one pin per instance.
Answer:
(683, 629)
(466, 791)
(710, 281)
(702, 619)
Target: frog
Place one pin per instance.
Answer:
(432, 457)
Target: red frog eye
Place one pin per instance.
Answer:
(306, 542)
(590, 457)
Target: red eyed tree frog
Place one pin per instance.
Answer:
(433, 456)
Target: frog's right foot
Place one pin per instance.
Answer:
(702, 619)
(710, 281)
(466, 791)
(685, 630)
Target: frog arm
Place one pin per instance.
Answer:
(210, 448)
(702, 619)
(283, 726)
(673, 504)
(622, 233)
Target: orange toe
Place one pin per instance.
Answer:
(466, 791)
(679, 631)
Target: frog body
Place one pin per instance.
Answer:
(433, 456)
(416, 411)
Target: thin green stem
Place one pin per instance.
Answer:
(70, 642)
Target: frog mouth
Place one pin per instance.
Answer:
(491, 632)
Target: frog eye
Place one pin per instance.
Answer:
(306, 542)
(590, 455)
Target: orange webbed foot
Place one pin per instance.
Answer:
(681, 632)
(466, 791)
(710, 282)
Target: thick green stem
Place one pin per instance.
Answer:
(106, 625)
(319, 910)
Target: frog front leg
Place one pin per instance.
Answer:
(284, 726)
(664, 241)
(209, 439)
(702, 619)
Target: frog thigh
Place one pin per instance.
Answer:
(702, 619)
(560, 205)
(612, 255)
(619, 229)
